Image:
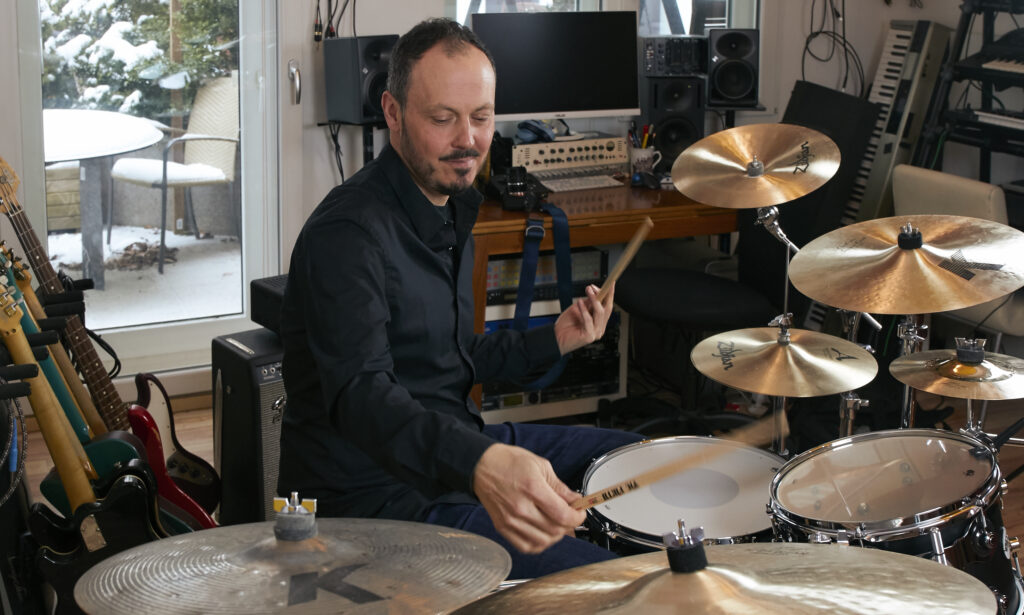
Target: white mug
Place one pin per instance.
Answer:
(644, 159)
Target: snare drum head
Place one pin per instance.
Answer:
(727, 495)
(883, 476)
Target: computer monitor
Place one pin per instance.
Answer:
(555, 65)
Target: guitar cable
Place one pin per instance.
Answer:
(11, 448)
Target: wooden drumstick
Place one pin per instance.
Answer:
(627, 256)
(754, 434)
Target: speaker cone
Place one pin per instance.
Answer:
(671, 137)
(734, 79)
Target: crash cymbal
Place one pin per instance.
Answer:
(809, 365)
(956, 373)
(758, 165)
(768, 578)
(959, 262)
(352, 566)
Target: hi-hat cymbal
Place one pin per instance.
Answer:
(809, 365)
(769, 578)
(352, 566)
(961, 262)
(758, 165)
(941, 372)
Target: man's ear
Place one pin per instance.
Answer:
(392, 111)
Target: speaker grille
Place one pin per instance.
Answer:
(272, 405)
(733, 67)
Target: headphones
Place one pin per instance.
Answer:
(534, 131)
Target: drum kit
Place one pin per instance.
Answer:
(905, 520)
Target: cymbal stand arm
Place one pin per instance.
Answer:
(768, 217)
(908, 332)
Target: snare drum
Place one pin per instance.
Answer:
(922, 492)
(726, 495)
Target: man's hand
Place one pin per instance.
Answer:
(528, 504)
(584, 321)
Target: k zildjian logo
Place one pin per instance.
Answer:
(804, 159)
(727, 352)
(302, 587)
(959, 265)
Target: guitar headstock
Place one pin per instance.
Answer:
(8, 185)
(10, 313)
(13, 263)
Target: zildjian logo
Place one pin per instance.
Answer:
(728, 352)
(961, 266)
(803, 160)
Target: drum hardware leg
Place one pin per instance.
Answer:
(1014, 546)
(938, 549)
(778, 428)
(911, 334)
(849, 404)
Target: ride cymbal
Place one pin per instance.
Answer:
(758, 165)
(768, 578)
(954, 262)
(809, 364)
(352, 566)
(968, 372)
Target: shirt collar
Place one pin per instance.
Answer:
(421, 211)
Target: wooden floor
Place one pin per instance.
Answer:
(195, 432)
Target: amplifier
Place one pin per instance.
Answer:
(604, 150)
(248, 405)
(266, 295)
(673, 56)
(596, 371)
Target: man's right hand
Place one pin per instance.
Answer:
(527, 503)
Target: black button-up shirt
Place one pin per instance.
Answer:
(379, 350)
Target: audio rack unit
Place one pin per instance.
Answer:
(603, 150)
(673, 56)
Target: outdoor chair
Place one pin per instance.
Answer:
(210, 146)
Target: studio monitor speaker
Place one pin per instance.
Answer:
(733, 67)
(355, 76)
(674, 107)
(248, 405)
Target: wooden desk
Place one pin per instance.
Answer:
(596, 217)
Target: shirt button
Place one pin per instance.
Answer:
(451, 248)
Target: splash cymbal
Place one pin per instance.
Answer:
(955, 262)
(810, 364)
(955, 373)
(769, 578)
(352, 566)
(758, 165)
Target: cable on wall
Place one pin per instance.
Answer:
(832, 28)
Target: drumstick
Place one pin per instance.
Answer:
(754, 434)
(627, 255)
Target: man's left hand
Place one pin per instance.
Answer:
(584, 321)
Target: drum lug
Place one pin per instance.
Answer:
(842, 537)
(1004, 487)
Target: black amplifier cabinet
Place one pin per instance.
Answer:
(266, 295)
(248, 405)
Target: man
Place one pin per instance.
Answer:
(380, 353)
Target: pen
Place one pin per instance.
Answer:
(643, 143)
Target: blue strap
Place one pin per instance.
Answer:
(534, 233)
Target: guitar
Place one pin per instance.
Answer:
(114, 412)
(152, 414)
(98, 529)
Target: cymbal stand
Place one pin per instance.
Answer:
(912, 335)
(850, 402)
(783, 322)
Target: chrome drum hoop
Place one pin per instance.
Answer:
(622, 533)
(911, 525)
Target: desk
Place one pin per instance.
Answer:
(93, 138)
(596, 217)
